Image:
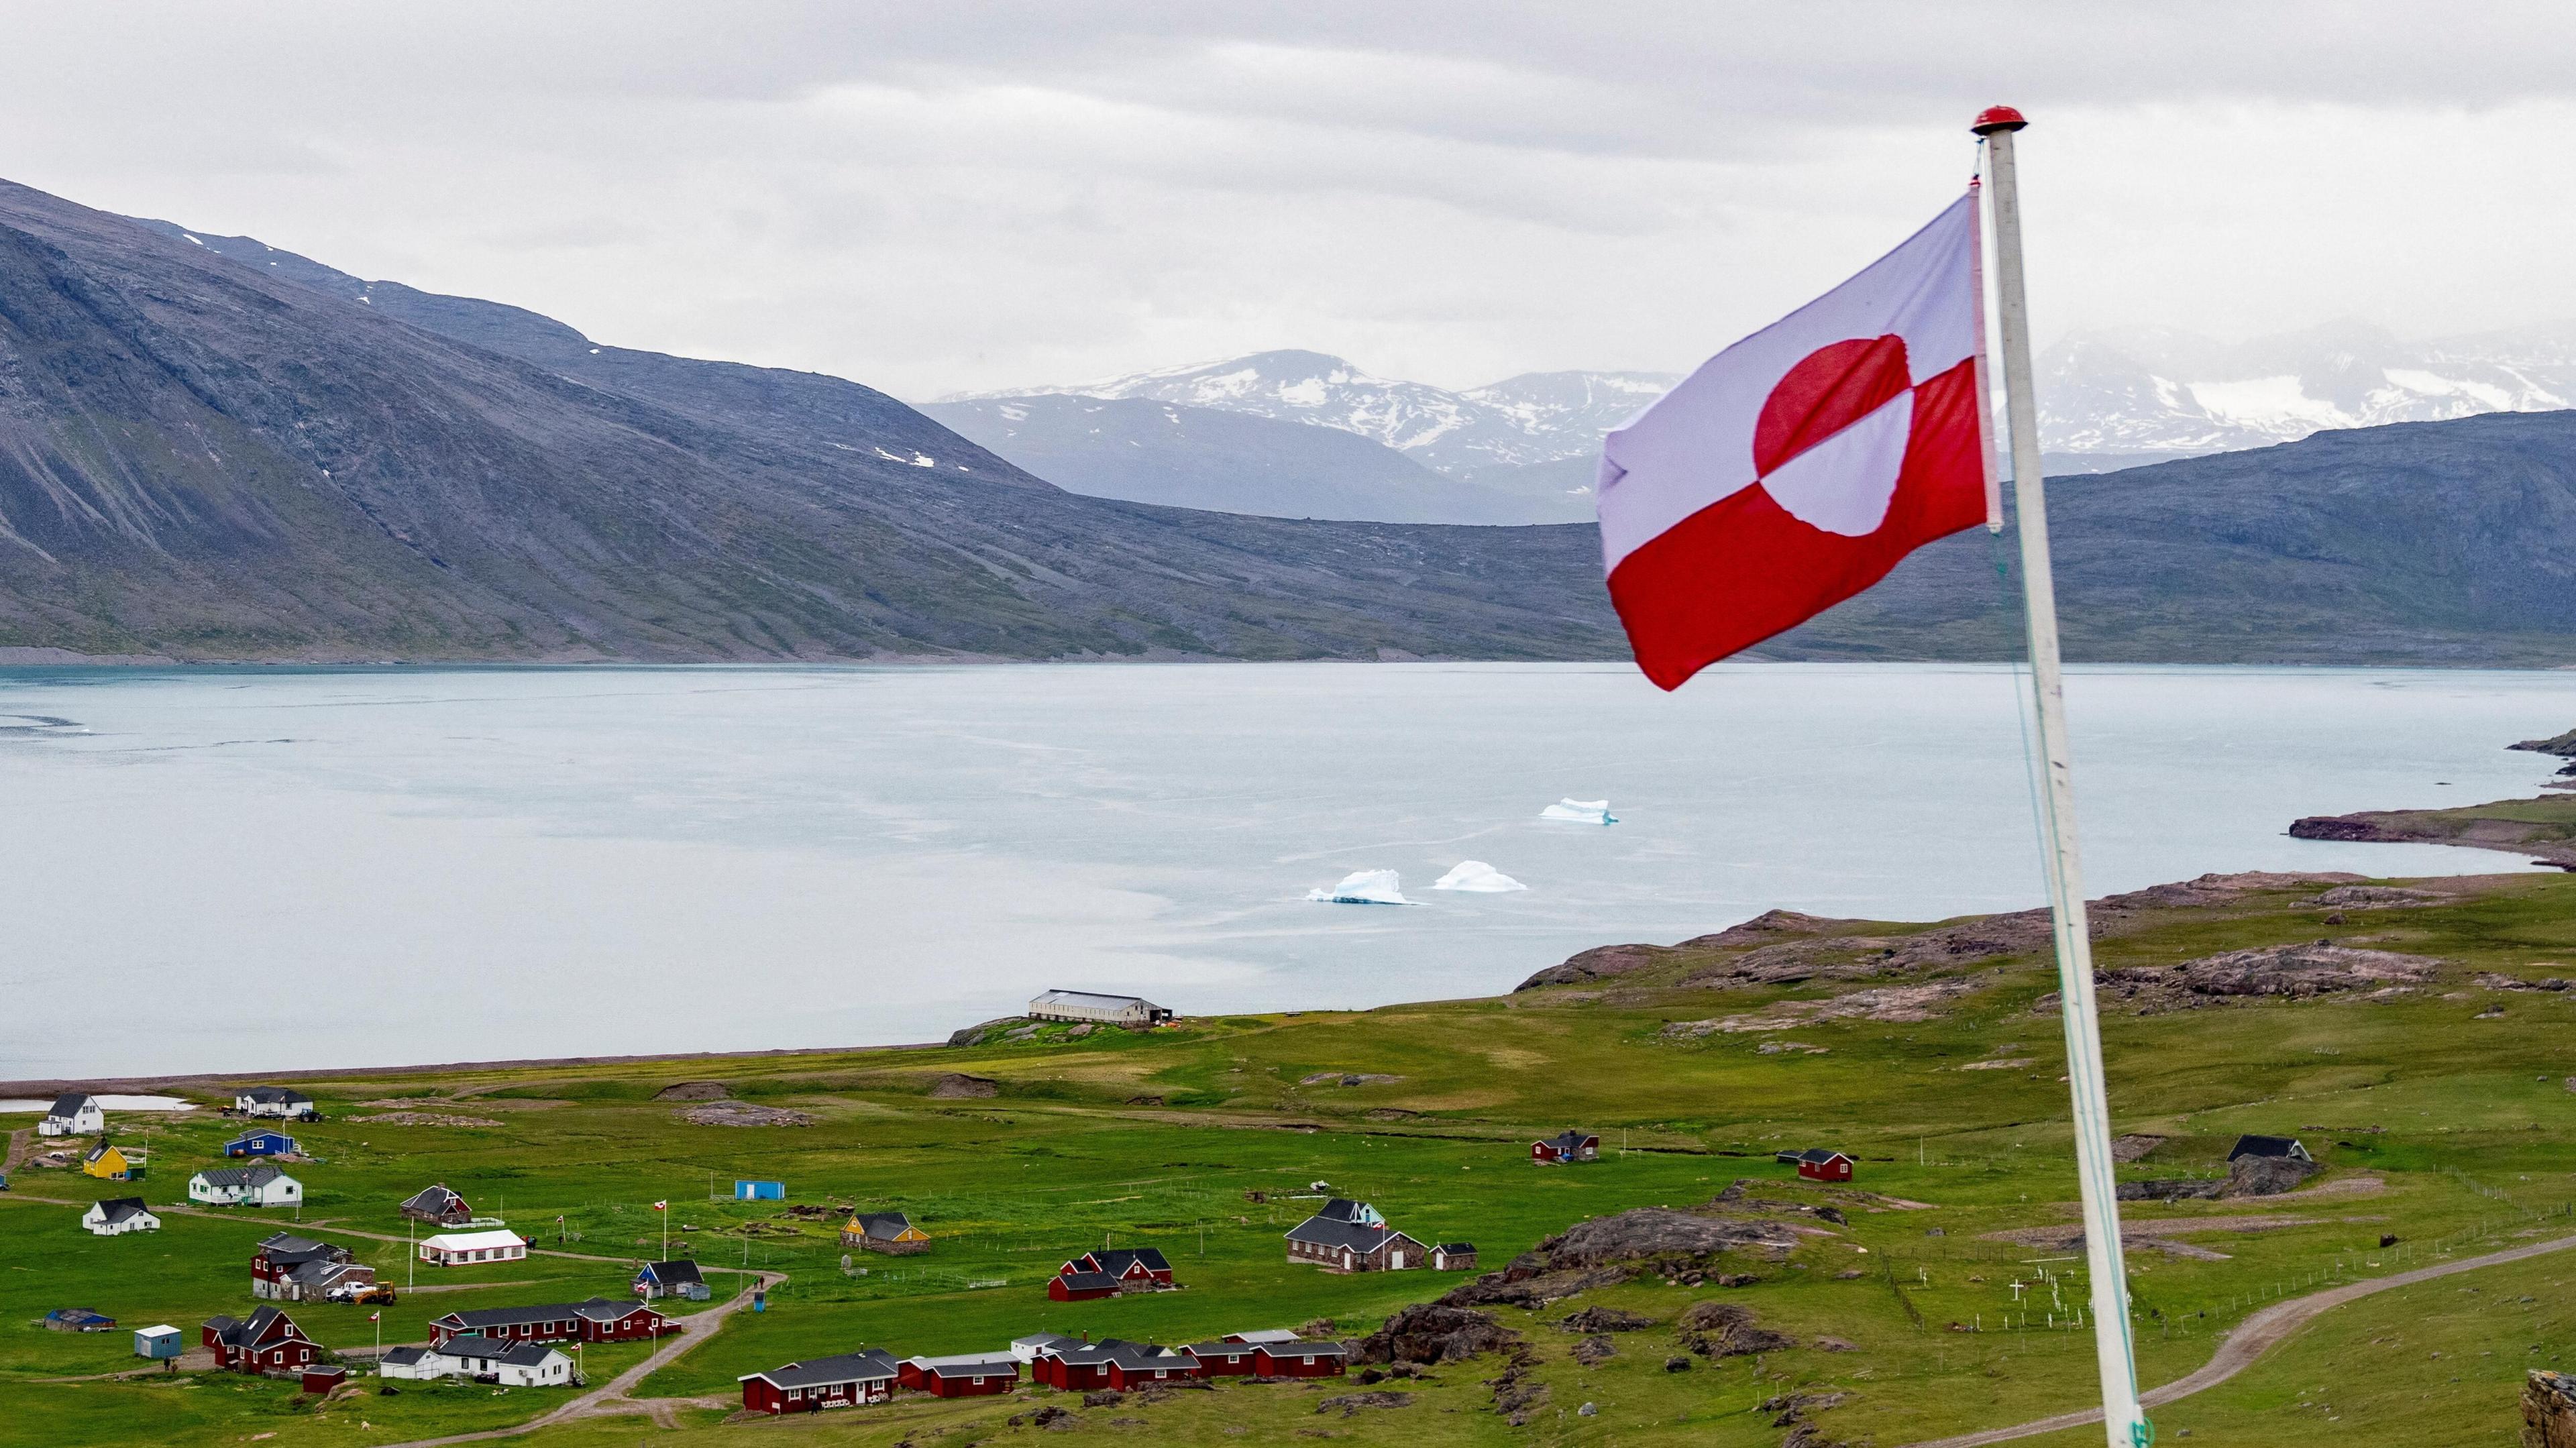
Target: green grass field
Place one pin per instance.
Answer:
(2443, 1116)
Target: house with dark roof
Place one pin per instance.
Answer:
(485, 1360)
(596, 1319)
(1300, 1360)
(1819, 1163)
(288, 1268)
(1070, 1285)
(74, 1113)
(671, 1279)
(2276, 1146)
(1027, 1349)
(971, 1375)
(1110, 1270)
(889, 1232)
(866, 1376)
(1222, 1359)
(260, 1141)
(264, 1185)
(109, 1163)
(1351, 1237)
(119, 1215)
(1566, 1148)
(267, 1341)
(1454, 1257)
(438, 1205)
(279, 1101)
(1111, 1362)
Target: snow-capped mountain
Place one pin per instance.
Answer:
(2172, 394)
(1534, 418)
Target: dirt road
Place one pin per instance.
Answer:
(2253, 1337)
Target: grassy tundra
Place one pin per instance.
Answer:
(2442, 1112)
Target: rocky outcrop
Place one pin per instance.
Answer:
(2266, 1176)
(2373, 897)
(2542, 829)
(1657, 1233)
(743, 1113)
(2562, 745)
(2548, 1410)
(694, 1091)
(1434, 1332)
(1606, 1319)
(958, 1086)
(1723, 1329)
(975, 1035)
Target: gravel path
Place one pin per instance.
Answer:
(2253, 1337)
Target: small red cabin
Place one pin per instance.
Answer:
(1819, 1164)
(268, 1341)
(845, 1381)
(972, 1376)
(1081, 1286)
(1223, 1359)
(1131, 1368)
(1299, 1360)
(1566, 1147)
(320, 1381)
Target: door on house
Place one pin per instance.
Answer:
(1395, 1260)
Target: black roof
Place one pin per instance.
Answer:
(69, 1103)
(888, 1225)
(672, 1274)
(1327, 1232)
(273, 1093)
(1090, 1282)
(1219, 1349)
(2266, 1146)
(1817, 1154)
(1115, 1261)
(1304, 1349)
(481, 1317)
(236, 1332)
(117, 1209)
(1343, 1209)
(403, 1356)
(1456, 1247)
(1570, 1140)
(865, 1365)
(241, 1176)
(432, 1198)
(287, 1248)
(484, 1349)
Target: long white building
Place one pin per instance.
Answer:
(1107, 1010)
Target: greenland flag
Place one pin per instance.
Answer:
(1795, 468)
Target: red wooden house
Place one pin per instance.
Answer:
(1566, 1147)
(598, 1319)
(268, 1341)
(866, 1376)
(1819, 1164)
(1135, 1365)
(1299, 1360)
(1223, 1359)
(1072, 1286)
(971, 1376)
(1131, 1269)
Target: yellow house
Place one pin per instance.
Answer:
(885, 1232)
(107, 1162)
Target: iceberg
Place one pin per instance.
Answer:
(1478, 877)
(1364, 887)
(1580, 811)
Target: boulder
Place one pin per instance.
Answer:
(1723, 1329)
(2548, 1410)
(1606, 1319)
(958, 1086)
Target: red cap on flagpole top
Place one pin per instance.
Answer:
(1997, 118)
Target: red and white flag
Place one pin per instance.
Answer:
(661, 1206)
(1795, 468)
(376, 1316)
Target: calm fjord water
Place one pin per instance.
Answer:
(244, 869)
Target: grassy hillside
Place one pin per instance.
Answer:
(2440, 1110)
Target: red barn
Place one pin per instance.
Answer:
(970, 1376)
(866, 1376)
(1565, 1147)
(1073, 1286)
(1818, 1164)
(321, 1381)
(268, 1341)
(1299, 1360)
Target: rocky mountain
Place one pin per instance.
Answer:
(1535, 418)
(2161, 392)
(1149, 451)
(213, 450)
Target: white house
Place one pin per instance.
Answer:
(245, 1186)
(447, 1249)
(510, 1364)
(73, 1114)
(118, 1216)
(283, 1101)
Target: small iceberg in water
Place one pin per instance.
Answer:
(1364, 887)
(1478, 877)
(1580, 811)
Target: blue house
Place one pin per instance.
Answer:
(760, 1191)
(256, 1142)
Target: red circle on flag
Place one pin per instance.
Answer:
(1828, 390)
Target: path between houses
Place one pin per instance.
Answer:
(2253, 1337)
(21, 1143)
(611, 1398)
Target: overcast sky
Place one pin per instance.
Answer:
(938, 196)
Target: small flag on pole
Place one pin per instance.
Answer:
(661, 1206)
(376, 1316)
(1795, 468)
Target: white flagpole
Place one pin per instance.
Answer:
(2124, 1422)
